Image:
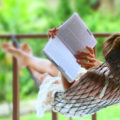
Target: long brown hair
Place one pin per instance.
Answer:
(110, 44)
(111, 52)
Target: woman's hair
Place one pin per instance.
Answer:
(113, 42)
(111, 52)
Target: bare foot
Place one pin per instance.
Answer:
(26, 48)
(20, 54)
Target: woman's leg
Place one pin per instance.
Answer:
(25, 58)
(39, 76)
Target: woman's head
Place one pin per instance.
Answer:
(113, 42)
(111, 51)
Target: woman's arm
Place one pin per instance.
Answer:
(80, 57)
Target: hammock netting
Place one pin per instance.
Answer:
(97, 89)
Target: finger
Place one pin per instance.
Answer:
(84, 53)
(51, 30)
(55, 34)
(91, 50)
(52, 35)
(86, 66)
(49, 36)
(56, 29)
(85, 63)
(86, 58)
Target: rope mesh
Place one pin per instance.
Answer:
(97, 89)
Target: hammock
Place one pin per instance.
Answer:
(97, 89)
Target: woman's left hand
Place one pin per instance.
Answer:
(87, 59)
(52, 32)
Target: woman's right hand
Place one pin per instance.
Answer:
(89, 56)
(52, 32)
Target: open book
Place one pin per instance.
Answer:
(72, 36)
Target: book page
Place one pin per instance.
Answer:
(75, 34)
(59, 54)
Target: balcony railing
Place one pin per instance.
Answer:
(16, 111)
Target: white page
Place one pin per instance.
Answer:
(75, 34)
(59, 54)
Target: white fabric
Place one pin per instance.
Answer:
(46, 94)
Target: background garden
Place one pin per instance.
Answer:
(37, 16)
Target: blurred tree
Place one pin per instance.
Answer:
(64, 9)
(83, 7)
(95, 4)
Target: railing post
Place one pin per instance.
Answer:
(15, 90)
(54, 116)
(94, 117)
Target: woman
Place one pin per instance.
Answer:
(44, 69)
(95, 89)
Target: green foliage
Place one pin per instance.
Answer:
(66, 10)
(37, 16)
(82, 7)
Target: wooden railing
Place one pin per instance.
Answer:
(16, 110)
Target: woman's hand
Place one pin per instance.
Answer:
(52, 32)
(82, 56)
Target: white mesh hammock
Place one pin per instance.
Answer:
(97, 89)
